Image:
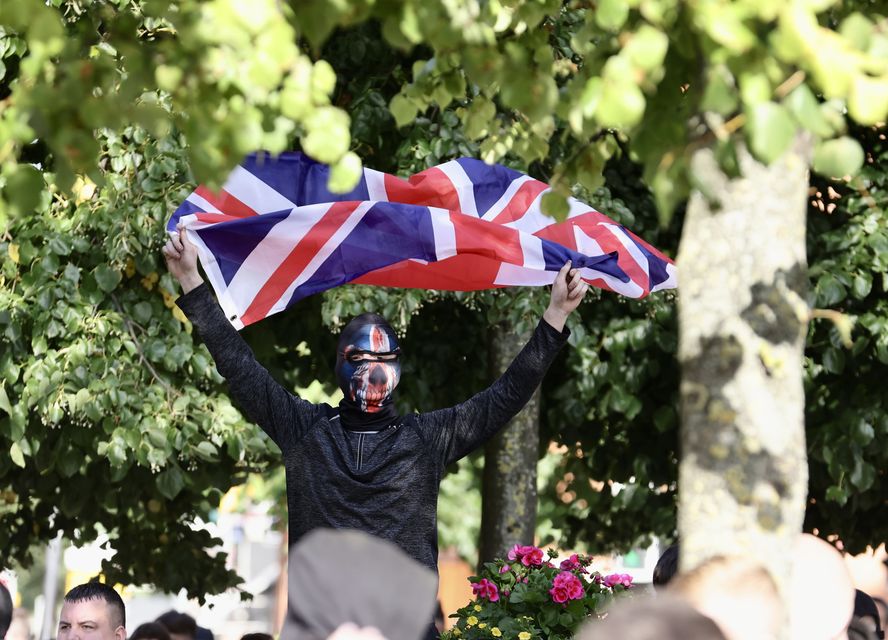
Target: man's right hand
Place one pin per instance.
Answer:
(181, 260)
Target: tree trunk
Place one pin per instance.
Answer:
(742, 320)
(508, 491)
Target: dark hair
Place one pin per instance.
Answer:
(5, 610)
(256, 636)
(150, 631)
(95, 590)
(176, 622)
(667, 566)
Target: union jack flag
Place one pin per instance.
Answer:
(274, 234)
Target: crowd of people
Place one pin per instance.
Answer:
(346, 585)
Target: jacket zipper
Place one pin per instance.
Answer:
(360, 456)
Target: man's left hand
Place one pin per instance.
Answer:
(568, 291)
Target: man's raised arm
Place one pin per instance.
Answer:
(459, 430)
(279, 413)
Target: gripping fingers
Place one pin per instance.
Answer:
(176, 240)
(170, 251)
(579, 291)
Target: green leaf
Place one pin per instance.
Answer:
(328, 134)
(107, 278)
(622, 105)
(806, 109)
(862, 475)
(24, 186)
(168, 77)
(863, 284)
(555, 205)
(345, 174)
(834, 360)
(837, 494)
(142, 312)
(16, 455)
(720, 94)
(647, 48)
(403, 110)
(838, 158)
(857, 29)
(770, 130)
(864, 433)
(170, 482)
(4, 400)
(611, 15)
(207, 451)
(829, 291)
(868, 102)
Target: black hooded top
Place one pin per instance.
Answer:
(385, 483)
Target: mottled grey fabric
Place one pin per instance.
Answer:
(336, 577)
(385, 484)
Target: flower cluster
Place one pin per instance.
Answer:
(527, 597)
(486, 590)
(566, 586)
(529, 556)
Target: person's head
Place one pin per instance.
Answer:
(665, 617)
(92, 611)
(5, 610)
(821, 593)
(180, 626)
(150, 631)
(739, 595)
(256, 636)
(385, 591)
(667, 567)
(368, 363)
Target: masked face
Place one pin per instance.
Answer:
(367, 363)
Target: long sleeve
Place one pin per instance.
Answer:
(457, 431)
(279, 413)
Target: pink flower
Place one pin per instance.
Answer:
(614, 579)
(485, 589)
(566, 586)
(534, 557)
(505, 568)
(528, 555)
(571, 563)
(559, 595)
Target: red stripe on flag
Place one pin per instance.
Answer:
(430, 188)
(483, 238)
(297, 260)
(464, 272)
(225, 202)
(215, 217)
(521, 201)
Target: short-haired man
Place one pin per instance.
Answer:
(92, 611)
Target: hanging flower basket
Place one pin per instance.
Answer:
(526, 597)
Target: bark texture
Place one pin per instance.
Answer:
(509, 482)
(743, 474)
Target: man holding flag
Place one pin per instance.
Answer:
(274, 234)
(361, 465)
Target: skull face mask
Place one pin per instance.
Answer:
(367, 364)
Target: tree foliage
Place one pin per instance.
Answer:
(110, 411)
(112, 414)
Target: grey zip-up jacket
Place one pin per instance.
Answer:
(385, 484)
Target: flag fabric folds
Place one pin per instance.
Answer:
(274, 234)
